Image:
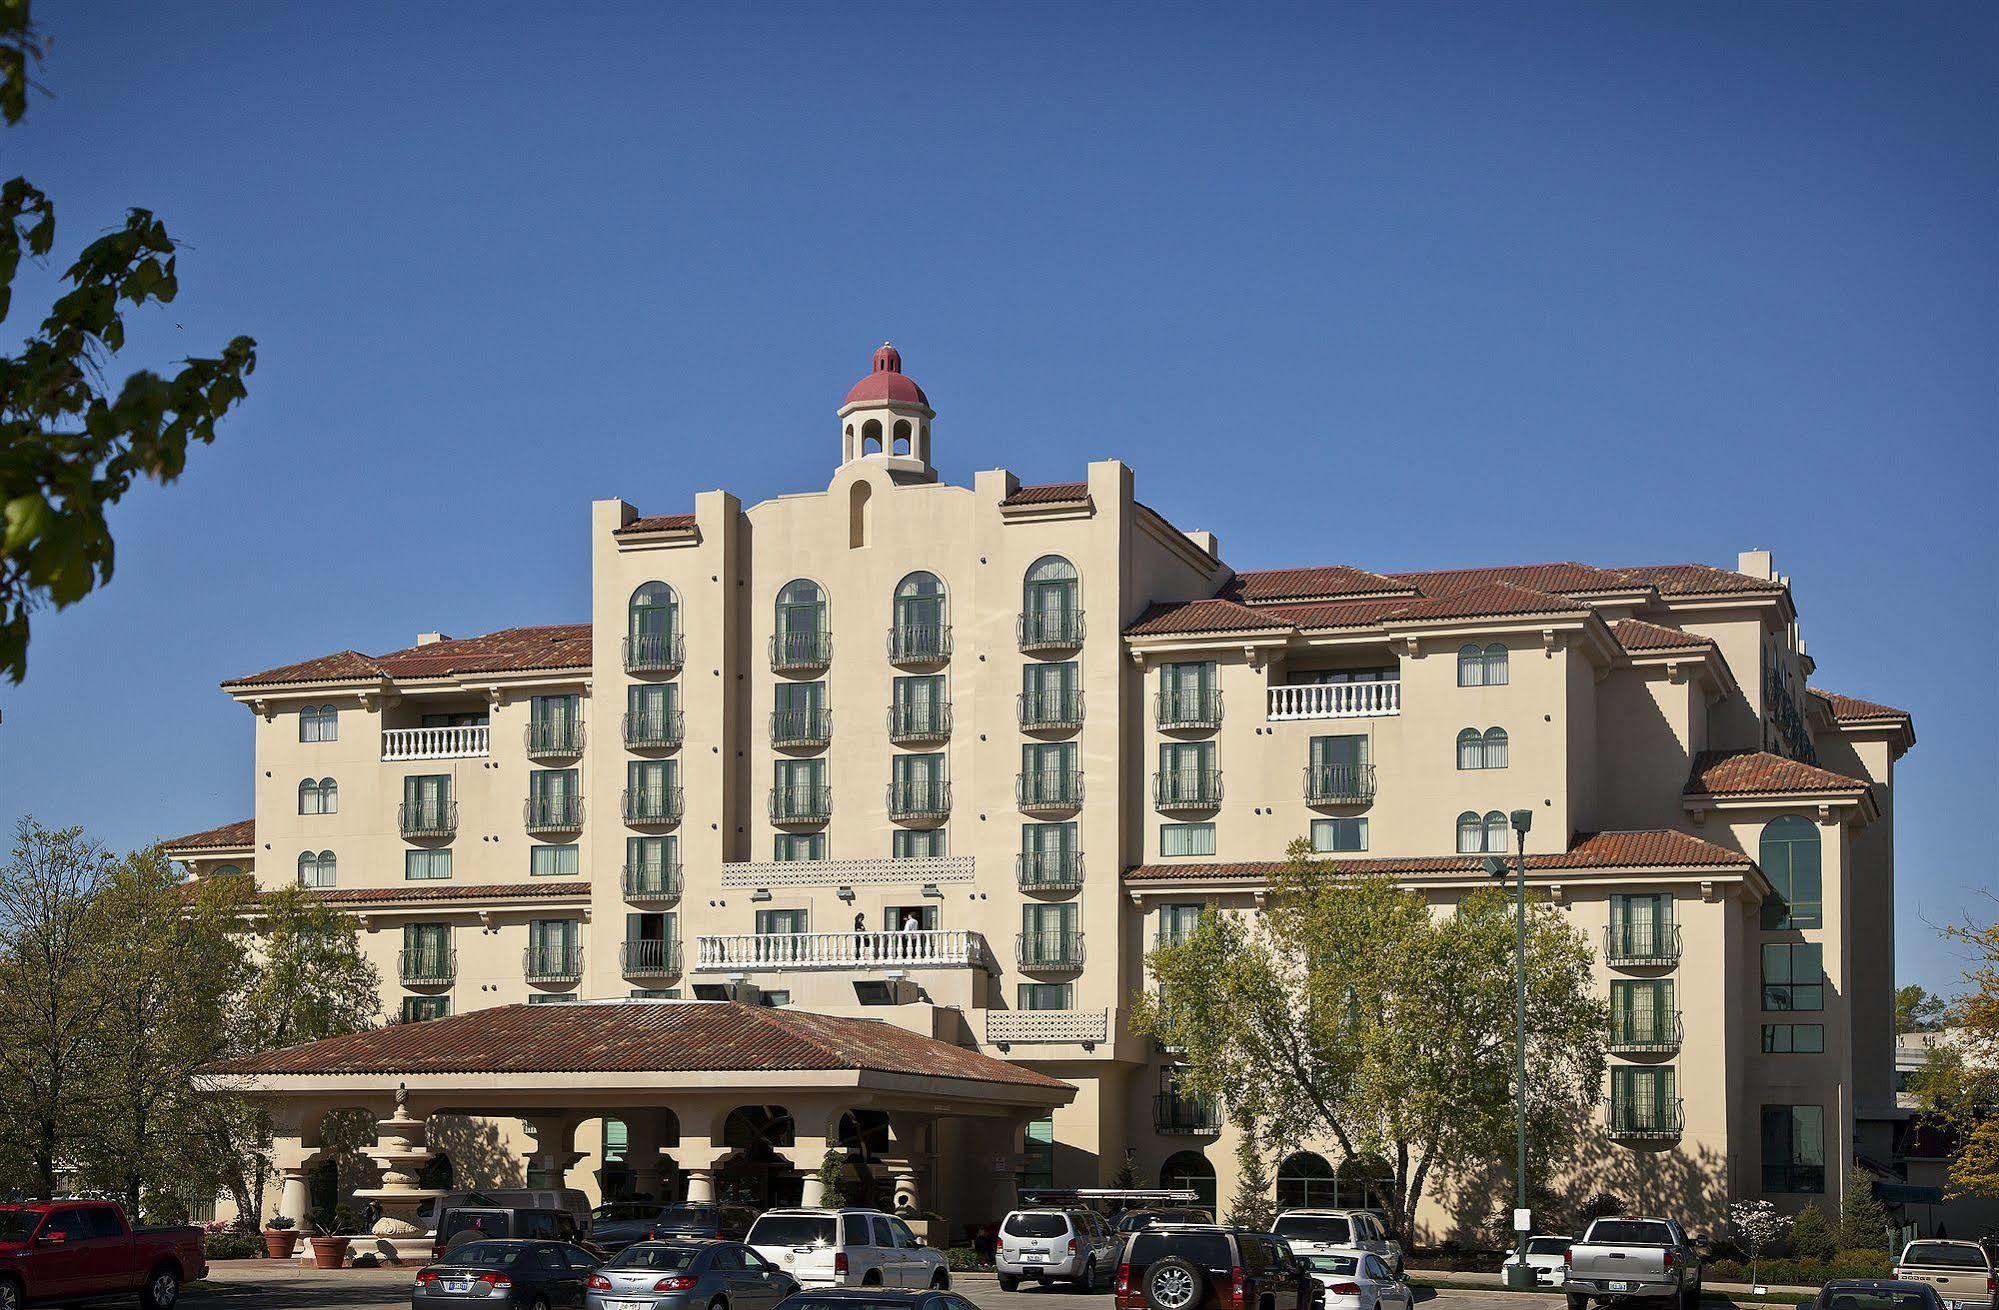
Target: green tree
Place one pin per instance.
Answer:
(69, 449)
(1254, 1203)
(833, 1178)
(1917, 1010)
(53, 954)
(1812, 1235)
(1959, 1084)
(1863, 1220)
(1347, 1010)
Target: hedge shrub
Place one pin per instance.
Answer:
(232, 1246)
(964, 1259)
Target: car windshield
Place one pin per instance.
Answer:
(650, 1255)
(1630, 1232)
(1343, 1265)
(17, 1225)
(1948, 1255)
(487, 1255)
(1314, 1228)
(688, 1216)
(792, 1230)
(1029, 1224)
(1547, 1245)
(1206, 1250)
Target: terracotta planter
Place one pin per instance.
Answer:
(279, 1243)
(329, 1252)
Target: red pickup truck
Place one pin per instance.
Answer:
(84, 1250)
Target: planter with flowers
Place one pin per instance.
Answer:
(281, 1237)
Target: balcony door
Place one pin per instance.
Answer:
(427, 800)
(1641, 925)
(1642, 1098)
(1641, 1010)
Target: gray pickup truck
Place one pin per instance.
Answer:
(1636, 1259)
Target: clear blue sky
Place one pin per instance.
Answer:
(1395, 285)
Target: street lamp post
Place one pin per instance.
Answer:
(1518, 1275)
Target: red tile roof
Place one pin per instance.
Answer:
(1565, 576)
(1850, 708)
(656, 523)
(1327, 582)
(1205, 616)
(1654, 848)
(1697, 579)
(638, 1037)
(1638, 635)
(492, 891)
(511, 650)
(1049, 493)
(1225, 615)
(1752, 773)
(243, 832)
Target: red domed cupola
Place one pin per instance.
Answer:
(886, 417)
(886, 383)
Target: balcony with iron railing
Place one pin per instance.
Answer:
(919, 721)
(801, 804)
(552, 963)
(924, 801)
(471, 741)
(655, 652)
(1044, 711)
(1187, 789)
(651, 805)
(553, 740)
(794, 652)
(1339, 784)
(1655, 1121)
(544, 814)
(1641, 945)
(1049, 629)
(1334, 700)
(1645, 1032)
(919, 643)
(861, 951)
(427, 820)
(1048, 791)
(1187, 708)
(649, 959)
(790, 729)
(655, 880)
(1052, 950)
(1048, 871)
(649, 731)
(424, 967)
(1181, 1115)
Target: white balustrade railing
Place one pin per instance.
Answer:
(839, 950)
(1335, 700)
(1048, 1025)
(437, 743)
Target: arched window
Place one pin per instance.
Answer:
(871, 437)
(1471, 749)
(1305, 1180)
(1789, 855)
(316, 870)
(801, 608)
(901, 440)
(1495, 833)
(226, 870)
(1051, 606)
(319, 723)
(860, 513)
(1482, 666)
(653, 611)
(1191, 1170)
(919, 607)
(1471, 834)
(1495, 748)
(318, 796)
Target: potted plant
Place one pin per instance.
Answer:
(281, 1237)
(329, 1248)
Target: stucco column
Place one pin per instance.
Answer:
(642, 1148)
(295, 1149)
(293, 1196)
(554, 1153)
(815, 1129)
(700, 1184)
(909, 1158)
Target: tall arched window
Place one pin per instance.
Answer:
(1496, 842)
(800, 640)
(1305, 1180)
(1471, 749)
(1471, 834)
(1052, 603)
(653, 611)
(1191, 1170)
(1482, 666)
(1495, 748)
(316, 870)
(921, 629)
(1789, 855)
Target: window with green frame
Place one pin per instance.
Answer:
(1186, 839)
(1047, 996)
(1177, 922)
(550, 998)
(1641, 1010)
(1038, 1155)
(1187, 691)
(780, 922)
(421, 866)
(553, 861)
(1644, 1098)
(1794, 1149)
(1789, 857)
(1048, 691)
(655, 993)
(1339, 835)
(416, 1009)
(787, 847)
(909, 845)
(649, 710)
(1794, 1039)
(1793, 976)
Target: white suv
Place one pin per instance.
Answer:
(1074, 1245)
(1316, 1232)
(849, 1247)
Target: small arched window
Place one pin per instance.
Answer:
(1482, 666)
(902, 433)
(316, 870)
(1471, 834)
(1495, 833)
(1495, 748)
(319, 723)
(226, 870)
(1789, 856)
(319, 796)
(1471, 749)
(871, 437)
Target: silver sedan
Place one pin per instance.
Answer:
(693, 1275)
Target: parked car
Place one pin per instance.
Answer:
(571, 1199)
(688, 1275)
(1047, 1244)
(1353, 1279)
(84, 1250)
(1876, 1294)
(849, 1247)
(544, 1275)
(1641, 1259)
(1188, 1266)
(875, 1298)
(1548, 1257)
(1313, 1232)
(1961, 1272)
(475, 1223)
(1132, 1221)
(617, 1224)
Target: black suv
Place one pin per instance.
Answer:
(1191, 1266)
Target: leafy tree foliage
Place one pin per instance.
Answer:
(69, 448)
(1760, 1227)
(1863, 1220)
(1812, 1234)
(1346, 1010)
(1917, 1010)
(1254, 1203)
(1959, 1086)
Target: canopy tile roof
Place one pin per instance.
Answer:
(1560, 577)
(1638, 635)
(1662, 848)
(1326, 582)
(1048, 493)
(656, 523)
(510, 650)
(1697, 580)
(638, 1037)
(1754, 773)
(541, 888)
(243, 832)
(1850, 709)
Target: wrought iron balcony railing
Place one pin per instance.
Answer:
(649, 959)
(1188, 709)
(552, 963)
(1641, 945)
(1643, 1032)
(791, 652)
(664, 730)
(655, 652)
(801, 727)
(553, 813)
(427, 819)
(1187, 1116)
(656, 880)
(423, 966)
(919, 801)
(1044, 790)
(1644, 1120)
(1049, 629)
(1187, 789)
(554, 740)
(651, 804)
(919, 721)
(1048, 871)
(801, 804)
(1052, 950)
(919, 643)
(1043, 710)
(1339, 784)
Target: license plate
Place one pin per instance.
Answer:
(1617, 1286)
(1033, 1258)
(458, 1286)
(627, 1305)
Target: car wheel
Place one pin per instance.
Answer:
(10, 1294)
(872, 1278)
(1008, 1283)
(162, 1290)
(719, 1303)
(1087, 1280)
(940, 1281)
(540, 1303)
(1577, 1301)
(1174, 1284)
